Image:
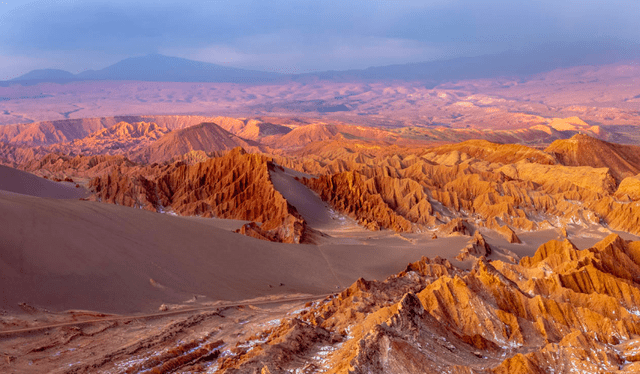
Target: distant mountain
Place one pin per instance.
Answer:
(509, 63)
(48, 75)
(159, 68)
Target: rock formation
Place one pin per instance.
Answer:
(582, 150)
(207, 137)
(122, 138)
(562, 310)
(477, 247)
(236, 185)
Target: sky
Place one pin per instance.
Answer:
(291, 36)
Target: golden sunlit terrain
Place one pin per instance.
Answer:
(481, 226)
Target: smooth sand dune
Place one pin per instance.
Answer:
(21, 182)
(73, 254)
(316, 212)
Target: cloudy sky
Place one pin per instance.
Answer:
(298, 36)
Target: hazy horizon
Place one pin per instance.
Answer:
(293, 37)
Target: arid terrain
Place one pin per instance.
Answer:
(481, 226)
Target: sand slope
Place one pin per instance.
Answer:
(63, 254)
(21, 182)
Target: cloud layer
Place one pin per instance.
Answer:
(300, 35)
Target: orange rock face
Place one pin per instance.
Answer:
(562, 310)
(235, 186)
(374, 201)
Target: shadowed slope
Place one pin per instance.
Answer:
(24, 183)
(78, 254)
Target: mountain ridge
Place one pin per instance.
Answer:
(161, 68)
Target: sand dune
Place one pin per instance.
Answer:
(21, 182)
(315, 212)
(72, 254)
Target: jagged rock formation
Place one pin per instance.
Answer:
(562, 310)
(477, 247)
(122, 138)
(375, 202)
(236, 185)
(529, 194)
(506, 231)
(457, 226)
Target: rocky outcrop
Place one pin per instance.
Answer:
(235, 186)
(457, 226)
(380, 202)
(477, 247)
(562, 310)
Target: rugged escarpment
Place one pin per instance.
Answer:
(374, 202)
(236, 185)
(562, 310)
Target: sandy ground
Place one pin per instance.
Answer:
(72, 254)
(21, 182)
(316, 212)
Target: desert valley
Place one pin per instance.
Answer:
(313, 225)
